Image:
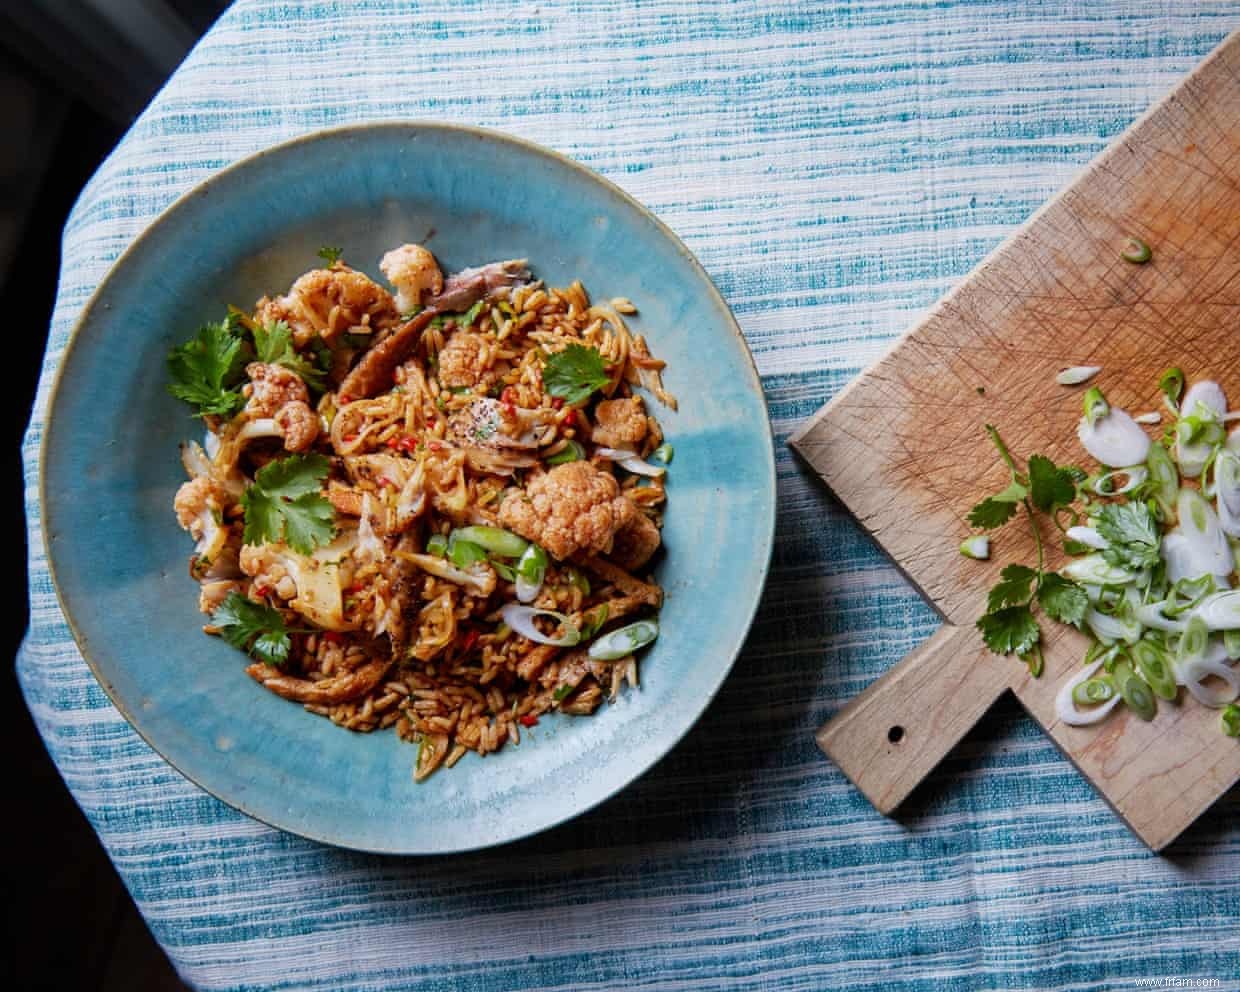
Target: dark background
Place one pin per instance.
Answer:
(73, 75)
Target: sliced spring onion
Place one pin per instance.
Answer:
(1171, 384)
(494, 539)
(521, 619)
(1114, 438)
(977, 547)
(1151, 615)
(1201, 548)
(465, 553)
(1104, 484)
(629, 461)
(437, 545)
(1152, 417)
(1154, 668)
(1096, 570)
(663, 454)
(1199, 429)
(1136, 251)
(503, 570)
(624, 640)
(1077, 374)
(1087, 536)
(1096, 405)
(1066, 707)
(1194, 643)
(1164, 476)
(1110, 629)
(1231, 644)
(577, 579)
(571, 452)
(1227, 489)
(1231, 720)
(531, 570)
(1221, 611)
(1138, 696)
(1093, 691)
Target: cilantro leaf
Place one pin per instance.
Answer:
(574, 373)
(1049, 486)
(991, 513)
(1015, 588)
(273, 344)
(1011, 630)
(255, 628)
(205, 369)
(1062, 599)
(286, 503)
(1131, 531)
(330, 255)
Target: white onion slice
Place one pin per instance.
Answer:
(1088, 536)
(1096, 570)
(1116, 440)
(1153, 417)
(1204, 399)
(1192, 674)
(1066, 708)
(1151, 615)
(1201, 548)
(1109, 629)
(521, 620)
(1077, 374)
(527, 591)
(1220, 611)
(1137, 474)
(1227, 489)
(629, 461)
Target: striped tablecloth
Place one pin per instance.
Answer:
(836, 167)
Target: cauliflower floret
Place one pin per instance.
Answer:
(271, 387)
(298, 424)
(211, 595)
(329, 302)
(635, 542)
(313, 585)
(619, 423)
(415, 274)
(574, 507)
(269, 570)
(465, 362)
(197, 505)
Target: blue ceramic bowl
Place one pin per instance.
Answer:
(111, 467)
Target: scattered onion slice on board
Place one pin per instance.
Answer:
(1077, 374)
(1087, 536)
(1067, 709)
(1116, 439)
(1227, 489)
(1198, 546)
(1205, 398)
(1220, 611)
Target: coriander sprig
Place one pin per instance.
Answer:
(1009, 625)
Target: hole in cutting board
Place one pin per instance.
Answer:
(895, 735)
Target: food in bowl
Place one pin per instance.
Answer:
(433, 509)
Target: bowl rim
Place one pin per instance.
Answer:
(197, 192)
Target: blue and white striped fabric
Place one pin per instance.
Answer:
(836, 167)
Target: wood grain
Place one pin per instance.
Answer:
(903, 446)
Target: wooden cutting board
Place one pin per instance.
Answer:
(903, 447)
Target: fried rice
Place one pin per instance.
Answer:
(478, 488)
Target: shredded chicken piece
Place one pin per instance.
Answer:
(327, 692)
(620, 423)
(632, 587)
(573, 508)
(635, 543)
(415, 274)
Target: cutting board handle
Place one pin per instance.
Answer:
(889, 737)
